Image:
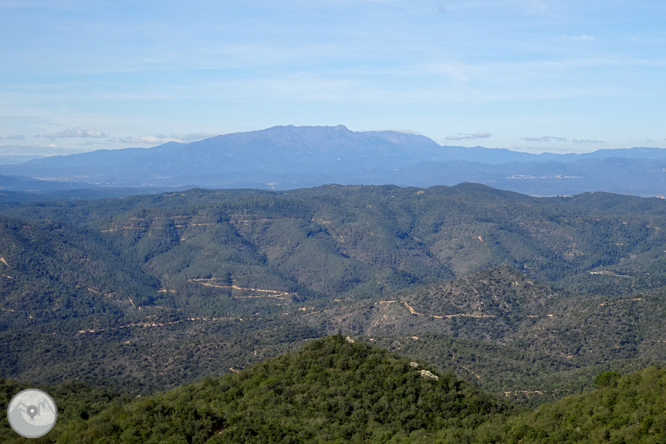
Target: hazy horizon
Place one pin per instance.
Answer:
(527, 75)
(32, 151)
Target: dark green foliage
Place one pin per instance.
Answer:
(331, 390)
(632, 409)
(55, 272)
(527, 376)
(76, 403)
(606, 379)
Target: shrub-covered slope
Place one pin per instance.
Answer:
(150, 292)
(623, 409)
(331, 390)
(336, 390)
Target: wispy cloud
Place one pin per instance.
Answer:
(545, 139)
(585, 141)
(403, 131)
(579, 38)
(537, 6)
(16, 137)
(76, 132)
(476, 135)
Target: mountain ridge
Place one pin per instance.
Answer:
(289, 157)
(340, 389)
(147, 292)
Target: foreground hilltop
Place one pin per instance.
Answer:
(336, 389)
(331, 390)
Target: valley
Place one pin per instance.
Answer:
(149, 292)
(359, 221)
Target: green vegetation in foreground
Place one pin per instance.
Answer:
(623, 409)
(333, 390)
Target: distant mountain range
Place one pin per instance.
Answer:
(288, 157)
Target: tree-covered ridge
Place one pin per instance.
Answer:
(53, 271)
(339, 390)
(150, 292)
(377, 239)
(623, 409)
(331, 390)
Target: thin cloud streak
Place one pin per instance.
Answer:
(77, 132)
(476, 135)
(545, 139)
(586, 141)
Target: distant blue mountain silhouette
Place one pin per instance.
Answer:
(287, 157)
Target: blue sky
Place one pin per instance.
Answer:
(531, 75)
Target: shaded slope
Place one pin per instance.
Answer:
(51, 271)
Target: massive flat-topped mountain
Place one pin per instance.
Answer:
(288, 157)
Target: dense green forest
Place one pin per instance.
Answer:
(337, 389)
(528, 298)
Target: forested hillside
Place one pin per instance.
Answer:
(331, 390)
(337, 389)
(149, 292)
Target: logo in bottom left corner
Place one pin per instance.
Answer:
(32, 413)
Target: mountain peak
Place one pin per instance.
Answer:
(341, 390)
(288, 157)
